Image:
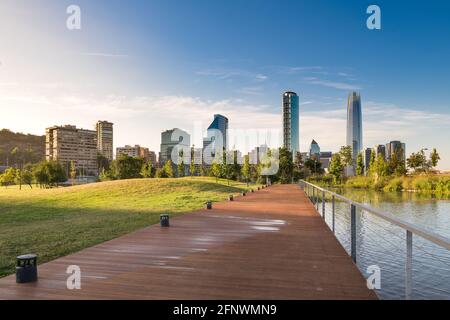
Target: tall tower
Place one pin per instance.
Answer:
(105, 139)
(291, 122)
(217, 137)
(354, 124)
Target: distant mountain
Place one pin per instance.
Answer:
(18, 148)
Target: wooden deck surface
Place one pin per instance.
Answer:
(271, 244)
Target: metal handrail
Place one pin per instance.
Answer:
(420, 231)
(410, 229)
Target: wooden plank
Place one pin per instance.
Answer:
(271, 244)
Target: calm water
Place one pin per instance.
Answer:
(382, 244)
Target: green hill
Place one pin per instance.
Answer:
(56, 222)
(16, 148)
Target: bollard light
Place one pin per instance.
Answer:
(164, 219)
(230, 198)
(208, 205)
(26, 268)
(243, 194)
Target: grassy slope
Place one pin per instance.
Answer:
(56, 222)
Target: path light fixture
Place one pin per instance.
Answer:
(164, 219)
(26, 268)
(208, 205)
(230, 197)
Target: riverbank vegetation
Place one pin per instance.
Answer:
(414, 174)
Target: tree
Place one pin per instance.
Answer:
(147, 170)
(27, 175)
(102, 162)
(336, 167)
(346, 156)
(434, 158)
(49, 173)
(286, 166)
(180, 166)
(8, 177)
(126, 167)
(192, 167)
(298, 167)
(168, 170)
(418, 162)
(381, 167)
(73, 171)
(314, 166)
(373, 156)
(216, 169)
(359, 165)
(245, 171)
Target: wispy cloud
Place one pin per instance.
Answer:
(332, 84)
(228, 73)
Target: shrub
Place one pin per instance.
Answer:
(395, 184)
(360, 182)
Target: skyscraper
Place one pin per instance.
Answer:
(396, 148)
(291, 122)
(354, 124)
(218, 129)
(105, 139)
(169, 140)
(314, 151)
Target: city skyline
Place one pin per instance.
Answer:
(52, 76)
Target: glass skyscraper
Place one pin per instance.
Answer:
(218, 129)
(291, 133)
(354, 124)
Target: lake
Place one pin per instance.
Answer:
(384, 245)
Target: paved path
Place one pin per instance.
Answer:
(271, 244)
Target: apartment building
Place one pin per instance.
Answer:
(69, 143)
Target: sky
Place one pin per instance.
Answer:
(154, 65)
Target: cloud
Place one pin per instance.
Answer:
(140, 119)
(229, 73)
(332, 84)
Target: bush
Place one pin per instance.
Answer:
(395, 184)
(360, 182)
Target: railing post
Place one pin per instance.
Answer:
(317, 200)
(323, 205)
(353, 232)
(313, 195)
(408, 266)
(332, 210)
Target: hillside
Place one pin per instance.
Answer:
(18, 147)
(56, 222)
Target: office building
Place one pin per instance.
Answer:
(169, 140)
(325, 159)
(105, 139)
(354, 124)
(216, 139)
(137, 152)
(291, 134)
(396, 148)
(314, 151)
(258, 154)
(366, 159)
(65, 144)
(380, 150)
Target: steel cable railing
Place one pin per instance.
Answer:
(322, 199)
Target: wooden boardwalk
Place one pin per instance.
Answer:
(271, 244)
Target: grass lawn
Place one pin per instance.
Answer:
(56, 222)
